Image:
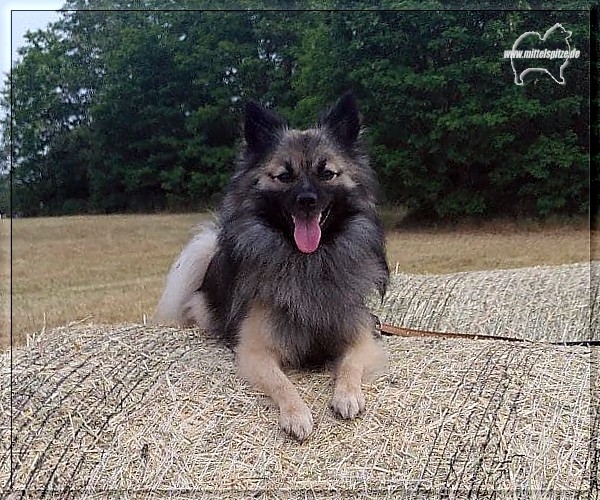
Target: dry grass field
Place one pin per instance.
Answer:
(110, 269)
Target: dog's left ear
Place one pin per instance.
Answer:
(262, 128)
(343, 120)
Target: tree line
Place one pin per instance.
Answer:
(115, 110)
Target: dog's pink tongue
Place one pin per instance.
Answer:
(307, 234)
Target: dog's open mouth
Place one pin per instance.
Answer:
(307, 230)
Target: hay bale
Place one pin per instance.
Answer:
(137, 411)
(552, 304)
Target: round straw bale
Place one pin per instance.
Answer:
(552, 304)
(143, 411)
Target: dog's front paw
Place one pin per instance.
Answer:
(347, 403)
(296, 420)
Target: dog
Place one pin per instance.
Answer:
(284, 275)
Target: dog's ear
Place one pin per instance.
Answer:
(343, 120)
(262, 128)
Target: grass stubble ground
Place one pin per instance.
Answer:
(111, 269)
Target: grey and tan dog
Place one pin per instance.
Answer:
(284, 275)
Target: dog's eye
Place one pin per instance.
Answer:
(285, 177)
(327, 175)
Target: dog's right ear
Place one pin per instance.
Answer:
(343, 120)
(262, 128)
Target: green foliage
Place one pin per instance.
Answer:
(4, 194)
(121, 110)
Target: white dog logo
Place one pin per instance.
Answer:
(541, 54)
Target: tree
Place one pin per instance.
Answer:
(44, 104)
(117, 110)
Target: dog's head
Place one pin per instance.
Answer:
(307, 183)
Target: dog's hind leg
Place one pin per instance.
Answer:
(362, 360)
(259, 362)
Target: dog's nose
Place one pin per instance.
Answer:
(306, 200)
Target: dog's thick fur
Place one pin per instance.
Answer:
(297, 249)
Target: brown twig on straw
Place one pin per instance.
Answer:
(388, 329)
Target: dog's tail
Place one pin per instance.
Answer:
(180, 303)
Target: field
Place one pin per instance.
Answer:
(110, 269)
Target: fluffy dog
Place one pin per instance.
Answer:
(284, 276)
